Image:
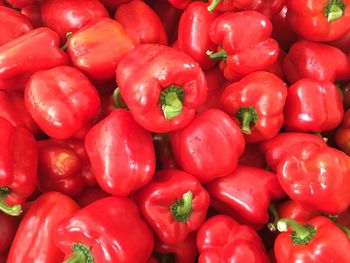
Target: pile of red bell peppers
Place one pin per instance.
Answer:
(174, 131)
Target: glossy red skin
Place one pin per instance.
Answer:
(33, 13)
(12, 25)
(90, 195)
(68, 101)
(34, 240)
(275, 148)
(23, 3)
(342, 136)
(18, 162)
(113, 146)
(209, 147)
(156, 198)
(233, 5)
(65, 16)
(252, 156)
(297, 211)
(141, 79)
(264, 91)
(12, 108)
(313, 106)
(222, 239)
(245, 194)
(141, 23)
(317, 176)
(315, 61)
(183, 252)
(193, 38)
(8, 228)
(105, 37)
(269, 8)
(59, 169)
(105, 226)
(180, 4)
(309, 20)
(20, 60)
(246, 38)
(277, 67)
(282, 32)
(164, 155)
(330, 244)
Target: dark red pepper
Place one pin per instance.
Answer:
(33, 13)
(252, 156)
(8, 228)
(342, 136)
(90, 195)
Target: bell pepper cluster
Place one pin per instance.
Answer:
(174, 131)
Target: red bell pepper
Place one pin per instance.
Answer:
(34, 240)
(297, 211)
(8, 228)
(161, 86)
(108, 230)
(245, 194)
(105, 37)
(275, 148)
(209, 146)
(112, 5)
(229, 5)
(319, 240)
(121, 153)
(342, 43)
(62, 101)
(256, 104)
(90, 195)
(180, 4)
(20, 58)
(245, 43)
(65, 16)
(12, 24)
(33, 13)
(313, 106)
(269, 8)
(174, 204)
(141, 23)
(164, 155)
(12, 108)
(319, 20)
(316, 175)
(18, 166)
(317, 61)
(222, 239)
(22, 3)
(182, 252)
(193, 38)
(252, 156)
(342, 136)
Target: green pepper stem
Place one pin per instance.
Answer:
(68, 36)
(272, 226)
(302, 234)
(213, 5)
(118, 101)
(171, 100)
(334, 9)
(10, 210)
(182, 208)
(248, 117)
(77, 257)
(220, 55)
(81, 254)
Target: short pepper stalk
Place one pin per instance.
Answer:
(108, 230)
(256, 103)
(244, 43)
(161, 86)
(35, 50)
(325, 20)
(174, 204)
(223, 239)
(318, 240)
(18, 167)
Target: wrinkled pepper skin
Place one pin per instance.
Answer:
(245, 194)
(245, 37)
(18, 166)
(222, 239)
(161, 86)
(313, 106)
(62, 101)
(34, 240)
(105, 37)
(174, 204)
(113, 146)
(108, 230)
(317, 61)
(324, 20)
(275, 148)
(209, 146)
(256, 104)
(321, 240)
(20, 58)
(316, 175)
(12, 24)
(342, 136)
(65, 16)
(141, 23)
(8, 228)
(193, 38)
